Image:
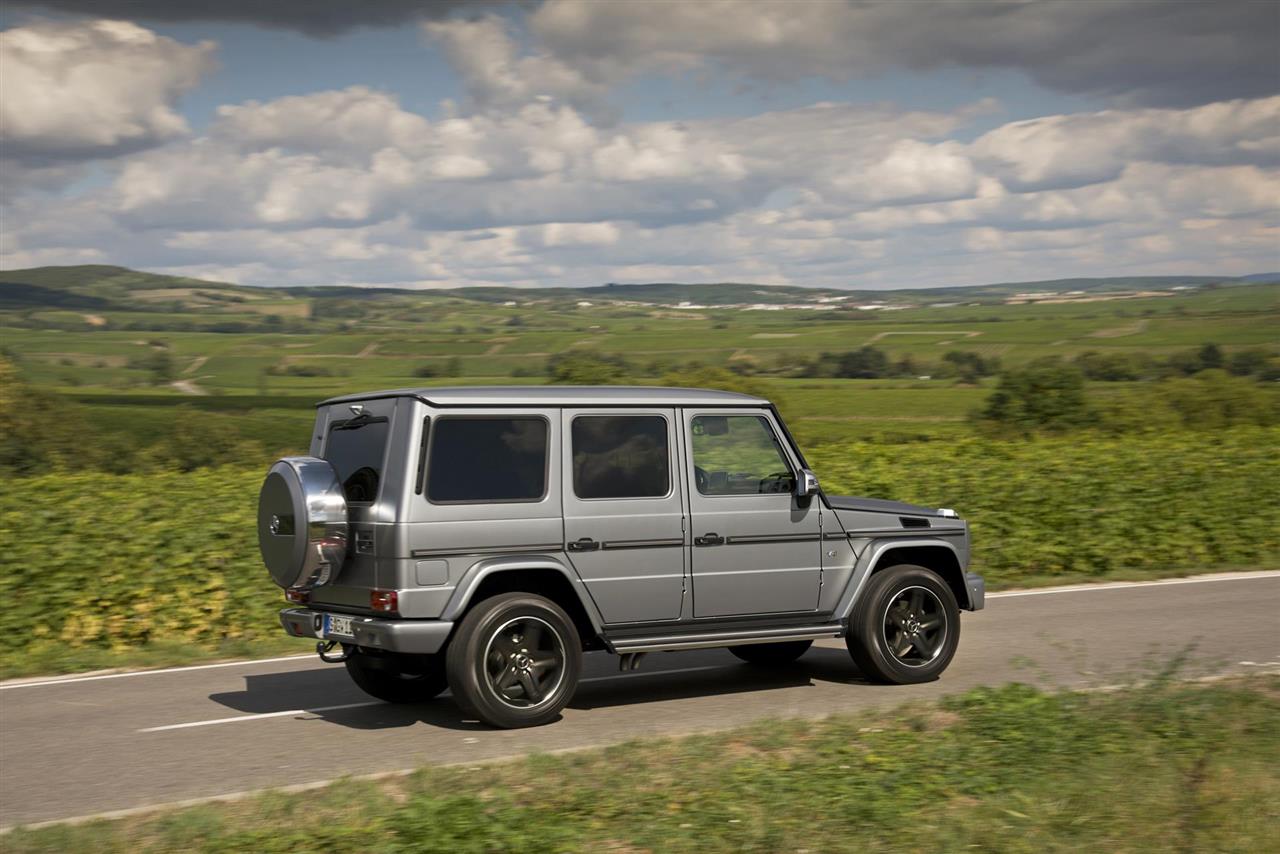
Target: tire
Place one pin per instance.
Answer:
(398, 678)
(906, 626)
(514, 661)
(771, 654)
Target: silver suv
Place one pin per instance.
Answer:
(482, 539)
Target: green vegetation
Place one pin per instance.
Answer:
(1166, 767)
(120, 568)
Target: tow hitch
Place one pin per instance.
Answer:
(323, 648)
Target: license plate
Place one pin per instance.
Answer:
(337, 626)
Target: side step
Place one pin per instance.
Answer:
(706, 640)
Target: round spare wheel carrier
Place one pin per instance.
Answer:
(302, 522)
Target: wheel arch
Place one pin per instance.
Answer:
(935, 554)
(941, 558)
(542, 576)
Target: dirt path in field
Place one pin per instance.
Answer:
(196, 364)
(874, 338)
(1136, 328)
(189, 387)
(368, 351)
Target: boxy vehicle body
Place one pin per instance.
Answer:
(483, 538)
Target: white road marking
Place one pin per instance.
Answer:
(1008, 594)
(259, 717)
(1126, 585)
(38, 683)
(295, 712)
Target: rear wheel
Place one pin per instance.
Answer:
(771, 654)
(906, 626)
(397, 678)
(514, 660)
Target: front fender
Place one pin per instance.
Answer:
(870, 554)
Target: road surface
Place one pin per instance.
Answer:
(86, 745)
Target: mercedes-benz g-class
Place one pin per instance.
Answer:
(481, 539)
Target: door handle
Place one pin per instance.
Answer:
(709, 540)
(585, 544)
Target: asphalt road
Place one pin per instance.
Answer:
(86, 745)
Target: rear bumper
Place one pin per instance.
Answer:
(977, 591)
(412, 636)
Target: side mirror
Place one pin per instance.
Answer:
(806, 484)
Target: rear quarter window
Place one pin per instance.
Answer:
(355, 448)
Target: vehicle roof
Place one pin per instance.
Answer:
(561, 395)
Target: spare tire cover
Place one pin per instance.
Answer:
(302, 522)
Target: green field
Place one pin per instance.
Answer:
(376, 339)
(1164, 767)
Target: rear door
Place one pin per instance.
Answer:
(623, 512)
(757, 549)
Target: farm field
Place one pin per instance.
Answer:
(282, 351)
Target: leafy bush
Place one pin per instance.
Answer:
(1044, 395)
(581, 367)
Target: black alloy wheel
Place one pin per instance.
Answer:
(905, 627)
(915, 626)
(514, 660)
(524, 662)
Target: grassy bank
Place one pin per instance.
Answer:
(1168, 767)
(163, 567)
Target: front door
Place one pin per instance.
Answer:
(623, 511)
(757, 549)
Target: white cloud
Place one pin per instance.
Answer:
(485, 54)
(348, 186)
(1163, 52)
(77, 90)
(579, 234)
(1057, 151)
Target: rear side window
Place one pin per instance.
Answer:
(487, 460)
(620, 456)
(355, 449)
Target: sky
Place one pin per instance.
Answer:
(441, 143)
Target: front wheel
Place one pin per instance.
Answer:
(771, 654)
(397, 678)
(514, 660)
(906, 626)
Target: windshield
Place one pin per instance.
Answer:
(355, 449)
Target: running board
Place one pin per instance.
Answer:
(706, 640)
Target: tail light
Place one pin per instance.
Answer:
(387, 601)
(298, 595)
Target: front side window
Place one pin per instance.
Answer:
(620, 456)
(355, 449)
(738, 455)
(487, 460)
